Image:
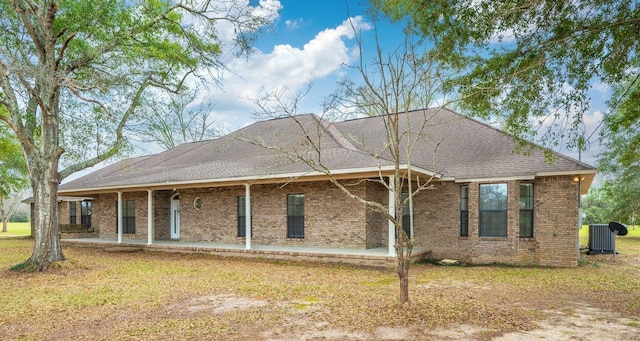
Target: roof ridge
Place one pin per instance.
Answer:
(336, 134)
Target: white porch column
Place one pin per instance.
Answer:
(119, 217)
(149, 217)
(247, 215)
(392, 212)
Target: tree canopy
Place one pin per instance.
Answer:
(532, 63)
(73, 73)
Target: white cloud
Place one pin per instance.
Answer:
(285, 67)
(503, 37)
(601, 87)
(294, 24)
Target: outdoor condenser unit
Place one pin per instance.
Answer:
(601, 239)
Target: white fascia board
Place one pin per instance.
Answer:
(505, 178)
(569, 172)
(525, 177)
(248, 179)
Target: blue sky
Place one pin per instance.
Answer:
(311, 41)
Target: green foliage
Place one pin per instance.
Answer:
(13, 170)
(19, 217)
(615, 200)
(597, 205)
(622, 133)
(100, 60)
(530, 64)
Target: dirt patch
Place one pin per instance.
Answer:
(580, 323)
(214, 304)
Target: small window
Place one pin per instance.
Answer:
(128, 216)
(85, 214)
(526, 210)
(72, 213)
(464, 211)
(295, 216)
(493, 210)
(242, 226)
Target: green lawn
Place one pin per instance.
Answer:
(17, 229)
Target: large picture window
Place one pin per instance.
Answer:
(128, 216)
(72, 213)
(464, 211)
(526, 210)
(242, 215)
(295, 216)
(493, 210)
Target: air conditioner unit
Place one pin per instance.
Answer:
(601, 239)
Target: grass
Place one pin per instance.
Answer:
(98, 295)
(17, 230)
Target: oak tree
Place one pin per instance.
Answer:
(531, 64)
(73, 73)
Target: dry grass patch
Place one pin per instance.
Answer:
(98, 296)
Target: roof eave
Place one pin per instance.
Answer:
(585, 177)
(346, 173)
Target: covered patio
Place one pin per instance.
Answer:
(375, 257)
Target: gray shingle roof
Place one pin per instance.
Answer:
(446, 143)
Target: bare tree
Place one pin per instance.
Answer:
(175, 119)
(392, 85)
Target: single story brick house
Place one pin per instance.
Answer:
(488, 203)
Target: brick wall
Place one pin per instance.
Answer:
(334, 220)
(63, 212)
(162, 214)
(377, 223)
(104, 215)
(555, 239)
(331, 218)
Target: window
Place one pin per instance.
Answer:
(295, 216)
(464, 211)
(72, 213)
(526, 210)
(406, 216)
(85, 213)
(128, 216)
(493, 210)
(242, 226)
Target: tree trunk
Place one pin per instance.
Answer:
(4, 225)
(47, 248)
(403, 275)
